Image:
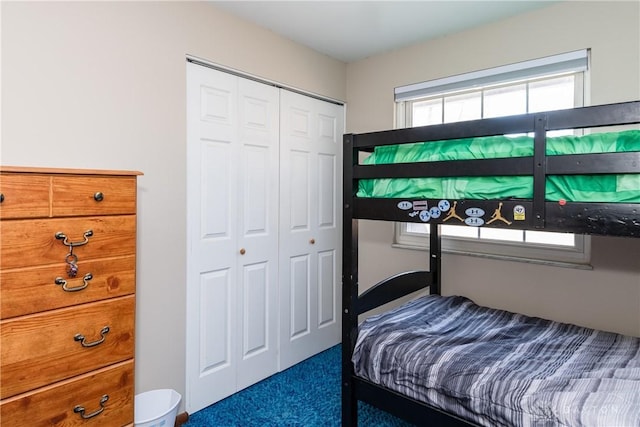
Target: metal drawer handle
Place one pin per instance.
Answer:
(85, 283)
(80, 409)
(98, 197)
(82, 339)
(1, 197)
(61, 236)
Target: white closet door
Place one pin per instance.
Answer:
(232, 170)
(310, 225)
(257, 214)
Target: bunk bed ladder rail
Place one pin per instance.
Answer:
(540, 169)
(354, 304)
(435, 258)
(349, 285)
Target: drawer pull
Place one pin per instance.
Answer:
(82, 339)
(1, 197)
(80, 409)
(98, 197)
(66, 288)
(61, 236)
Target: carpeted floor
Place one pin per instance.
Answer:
(307, 394)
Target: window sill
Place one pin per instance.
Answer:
(563, 264)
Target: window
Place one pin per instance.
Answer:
(546, 84)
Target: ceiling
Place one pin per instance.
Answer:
(353, 30)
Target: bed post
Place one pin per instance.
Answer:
(435, 258)
(540, 169)
(349, 285)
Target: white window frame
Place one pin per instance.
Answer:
(576, 256)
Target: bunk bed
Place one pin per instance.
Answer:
(398, 360)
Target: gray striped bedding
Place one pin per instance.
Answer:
(497, 368)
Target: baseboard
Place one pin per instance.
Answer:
(182, 419)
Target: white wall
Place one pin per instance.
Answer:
(608, 297)
(103, 85)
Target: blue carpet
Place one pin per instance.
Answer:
(307, 394)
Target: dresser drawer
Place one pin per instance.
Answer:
(54, 405)
(32, 290)
(86, 195)
(47, 347)
(33, 242)
(24, 196)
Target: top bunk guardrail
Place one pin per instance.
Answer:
(620, 218)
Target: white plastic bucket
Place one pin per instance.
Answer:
(156, 408)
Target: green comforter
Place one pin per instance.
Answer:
(583, 188)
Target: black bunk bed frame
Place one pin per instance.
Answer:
(613, 219)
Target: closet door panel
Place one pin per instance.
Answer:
(212, 224)
(256, 192)
(257, 249)
(218, 191)
(215, 183)
(310, 135)
(216, 321)
(217, 338)
(327, 288)
(299, 297)
(217, 102)
(298, 195)
(329, 222)
(296, 223)
(328, 227)
(327, 176)
(254, 310)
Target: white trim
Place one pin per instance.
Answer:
(577, 256)
(206, 63)
(501, 257)
(565, 62)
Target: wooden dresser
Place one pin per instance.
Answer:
(67, 296)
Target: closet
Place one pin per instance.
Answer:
(263, 230)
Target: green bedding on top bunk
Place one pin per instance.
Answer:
(577, 188)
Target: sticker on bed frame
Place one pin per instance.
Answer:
(474, 221)
(497, 216)
(444, 205)
(420, 205)
(519, 213)
(420, 208)
(452, 213)
(474, 212)
(425, 216)
(474, 215)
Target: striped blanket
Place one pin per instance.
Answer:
(498, 368)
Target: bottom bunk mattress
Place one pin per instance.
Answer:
(497, 368)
